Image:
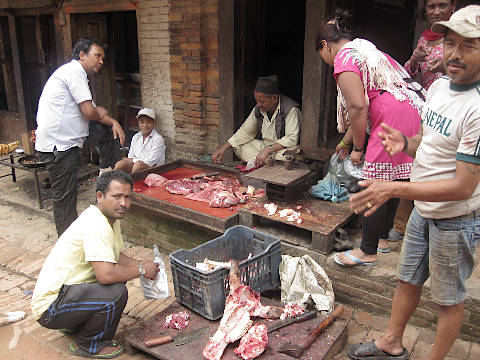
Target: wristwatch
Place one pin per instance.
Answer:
(354, 148)
(141, 270)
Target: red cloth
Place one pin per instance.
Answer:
(431, 36)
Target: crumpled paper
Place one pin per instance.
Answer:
(305, 282)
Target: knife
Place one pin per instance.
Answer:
(199, 176)
(181, 339)
(275, 325)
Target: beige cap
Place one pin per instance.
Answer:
(148, 112)
(465, 22)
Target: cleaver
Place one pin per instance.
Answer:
(181, 339)
(275, 325)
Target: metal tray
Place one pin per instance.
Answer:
(31, 161)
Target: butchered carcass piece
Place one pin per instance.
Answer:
(177, 321)
(241, 303)
(155, 180)
(182, 186)
(253, 343)
(223, 199)
(292, 309)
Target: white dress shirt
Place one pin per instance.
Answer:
(151, 151)
(60, 120)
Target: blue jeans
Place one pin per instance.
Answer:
(443, 250)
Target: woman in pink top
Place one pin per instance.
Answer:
(371, 90)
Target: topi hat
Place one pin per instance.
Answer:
(465, 22)
(267, 85)
(147, 112)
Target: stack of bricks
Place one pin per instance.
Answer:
(154, 54)
(193, 26)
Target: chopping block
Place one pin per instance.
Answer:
(325, 347)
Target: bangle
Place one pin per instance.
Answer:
(344, 144)
(354, 148)
(405, 143)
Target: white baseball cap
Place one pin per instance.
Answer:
(147, 112)
(465, 22)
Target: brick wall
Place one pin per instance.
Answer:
(193, 27)
(153, 46)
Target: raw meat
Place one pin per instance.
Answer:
(223, 199)
(258, 193)
(271, 208)
(182, 187)
(240, 305)
(253, 343)
(155, 180)
(292, 309)
(177, 321)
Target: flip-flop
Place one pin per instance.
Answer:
(384, 251)
(336, 258)
(369, 351)
(75, 350)
(394, 235)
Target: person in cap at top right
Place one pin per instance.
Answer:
(147, 148)
(443, 230)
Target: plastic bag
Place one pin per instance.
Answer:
(158, 288)
(329, 189)
(343, 170)
(305, 282)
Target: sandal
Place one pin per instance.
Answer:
(357, 261)
(370, 351)
(384, 251)
(75, 350)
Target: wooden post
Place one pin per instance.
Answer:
(313, 77)
(226, 70)
(16, 65)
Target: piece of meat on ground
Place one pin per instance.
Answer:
(182, 186)
(253, 343)
(155, 180)
(292, 309)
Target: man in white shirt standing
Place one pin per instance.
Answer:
(147, 148)
(66, 118)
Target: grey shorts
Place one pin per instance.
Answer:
(443, 250)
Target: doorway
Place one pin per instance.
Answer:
(269, 39)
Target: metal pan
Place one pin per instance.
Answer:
(31, 161)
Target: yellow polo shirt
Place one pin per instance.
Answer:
(89, 238)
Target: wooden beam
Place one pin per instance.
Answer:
(16, 64)
(226, 70)
(5, 4)
(79, 6)
(313, 77)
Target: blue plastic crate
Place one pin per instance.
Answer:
(205, 292)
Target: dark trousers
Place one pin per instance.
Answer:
(377, 226)
(62, 169)
(94, 310)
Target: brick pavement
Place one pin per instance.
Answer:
(21, 259)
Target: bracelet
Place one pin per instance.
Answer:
(354, 148)
(405, 143)
(344, 144)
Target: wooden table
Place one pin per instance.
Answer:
(10, 162)
(325, 347)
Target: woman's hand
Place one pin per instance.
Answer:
(419, 55)
(342, 149)
(356, 157)
(436, 66)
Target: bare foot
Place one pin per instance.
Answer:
(383, 244)
(359, 254)
(391, 348)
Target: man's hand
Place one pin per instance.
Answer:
(376, 193)
(118, 131)
(262, 156)
(217, 156)
(356, 157)
(419, 55)
(151, 269)
(392, 140)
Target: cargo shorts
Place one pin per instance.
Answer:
(443, 250)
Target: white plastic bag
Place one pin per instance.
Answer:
(158, 288)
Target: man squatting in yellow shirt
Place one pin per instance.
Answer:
(273, 126)
(81, 287)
